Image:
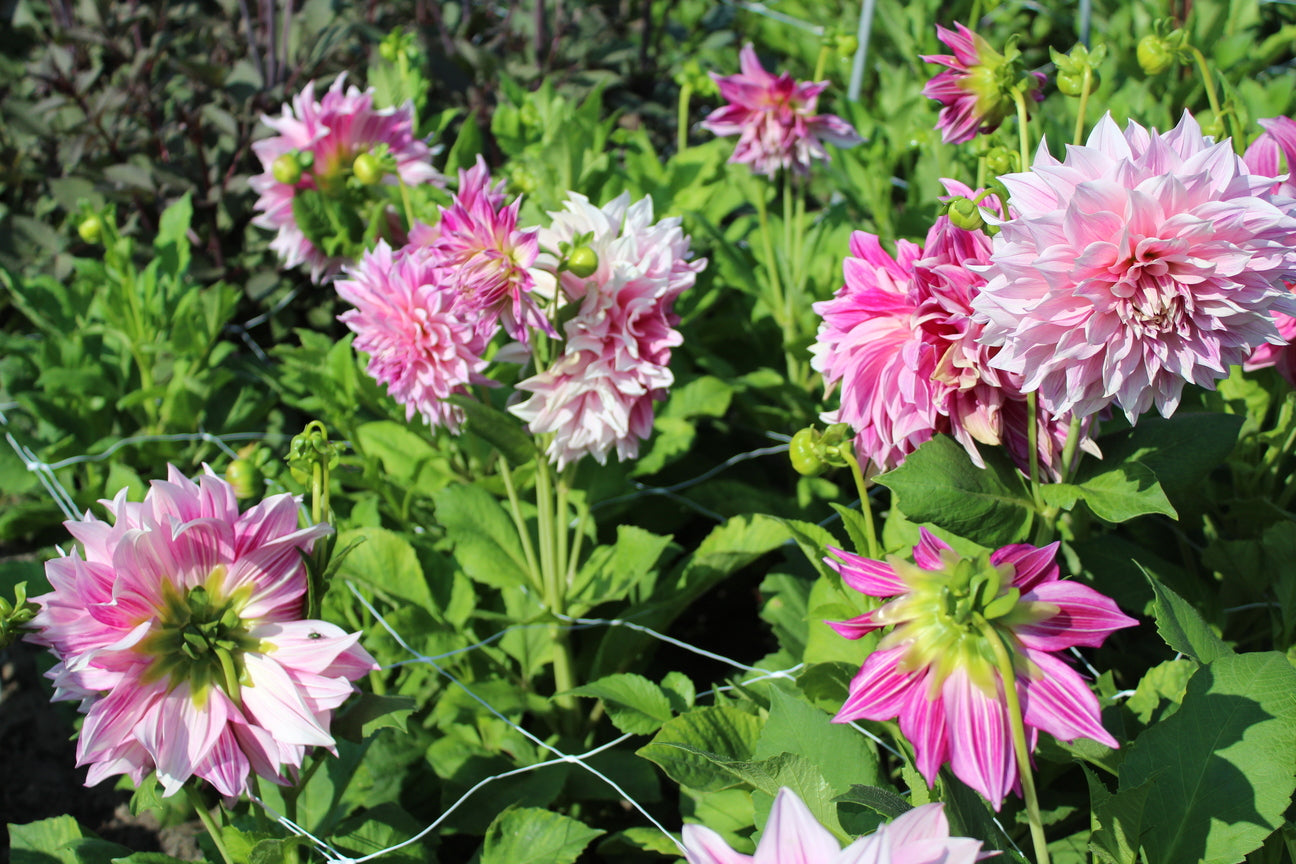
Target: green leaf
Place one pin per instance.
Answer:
(378, 828)
(404, 453)
(881, 801)
(1182, 626)
(386, 562)
(529, 835)
(498, 428)
(1180, 450)
(172, 242)
(1161, 689)
(842, 755)
(938, 483)
(1116, 494)
(611, 572)
(40, 842)
(634, 704)
(148, 858)
(1119, 819)
(796, 772)
(689, 747)
(1224, 764)
(485, 539)
(679, 689)
(370, 712)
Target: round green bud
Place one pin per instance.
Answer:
(246, 478)
(368, 169)
(847, 44)
(388, 50)
(90, 229)
(1001, 160)
(965, 214)
(803, 450)
(1072, 83)
(286, 169)
(1155, 54)
(582, 261)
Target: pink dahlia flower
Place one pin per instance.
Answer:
(180, 628)
(976, 90)
(900, 340)
(936, 669)
(334, 131)
(599, 392)
(793, 836)
(1142, 262)
(1271, 155)
(420, 343)
(773, 117)
(484, 258)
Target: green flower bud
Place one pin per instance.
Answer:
(368, 169)
(803, 450)
(246, 478)
(847, 44)
(91, 229)
(1155, 54)
(964, 213)
(582, 261)
(286, 169)
(1001, 160)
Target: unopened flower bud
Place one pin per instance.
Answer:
(847, 44)
(286, 169)
(245, 478)
(1155, 54)
(803, 451)
(90, 229)
(368, 169)
(1001, 160)
(582, 262)
(965, 214)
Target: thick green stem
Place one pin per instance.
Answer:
(1018, 727)
(208, 822)
(553, 578)
(778, 299)
(1070, 448)
(407, 204)
(1032, 441)
(1086, 85)
(682, 124)
(1023, 128)
(821, 62)
(515, 509)
(1207, 79)
(866, 505)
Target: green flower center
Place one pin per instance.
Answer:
(944, 618)
(200, 638)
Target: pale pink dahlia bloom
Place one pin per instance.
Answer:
(793, 836)
(900, 340)
(420, 343)
(976, 88)
(1273, 154)
(773, 117)
(180, 628)
(599, 392)
(334, 130)
(485, 258)
(936, 669)
(1142, 262)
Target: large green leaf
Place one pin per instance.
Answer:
(384, 560)
(1182, 626)
(1116, 494)
(938, 483)
(691, 747)
(634, 704)
(529, 835)
(1180, 450)
(485, 539)
(1223, 766)
(843, 756)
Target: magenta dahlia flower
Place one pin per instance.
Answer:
(180, 629)
(333, 131)
(900, 340)
(773, 117)
(1142, 262)
(420, 343)
(936, 669)
(485, 258)
(793, 836)
(1271, 155)
(976, 90)
(599, 393)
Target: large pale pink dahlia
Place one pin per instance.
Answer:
(180, 629)
(773, 117)
(333, 131)
(1274, 154)
(485, 258)
(793, 836)
(1142, 262)
(976, 90)
(900, 341)
(936, 669)
(420, 342)
(599, 392)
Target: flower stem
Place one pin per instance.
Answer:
(553, 580)
(681, 132)
(820, 63)
(1032, 441)
(1070, 448)
(1209, 80)
(208, 822)
(408, 205)
(1086, 85)
(1018, 727)
(777, 302)
(519, 523)
(1023, 128)
(866, 504)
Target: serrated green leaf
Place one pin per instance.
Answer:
(528, 835)
(1119, 820)
(1119, 493)
(485, 539)
(1224, 765)
(679, 689)
(370, 712)
(386, 561)
(882, 801)
(611, 572)
(498, 428)
(938, 483)
(41, 842)
(634, 704)
(689, 747)
(1179, 450)
(1163, 683)
(1182, 626)
(796, 772)
(842, 755)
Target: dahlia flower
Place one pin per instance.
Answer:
(1141, 262)
(333, 131)
(976, 90)
(1266, 156)
(773, 117)
(180, 628)
(936, 669)
(793, 836)
(599, 392)
(420, 343)
(485, 258)
(900, 340)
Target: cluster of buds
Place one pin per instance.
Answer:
(812, 452)
(15, 616)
